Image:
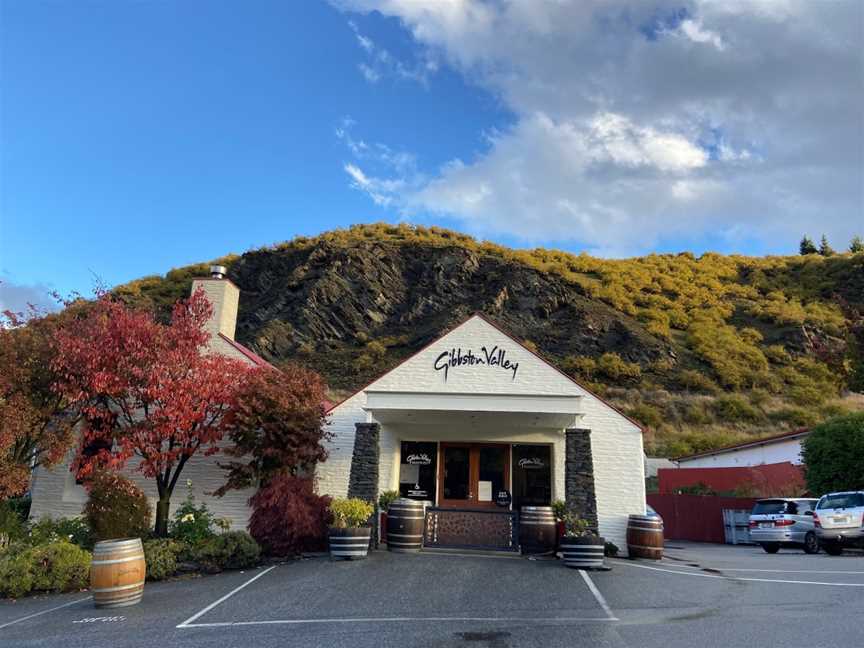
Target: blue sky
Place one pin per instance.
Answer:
(140, 136)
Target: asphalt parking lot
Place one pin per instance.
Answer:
(705, 595)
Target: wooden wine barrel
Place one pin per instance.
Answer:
(537, 530)
(349, 543)
(645, 537)
(117, 572)
(405, 525)
(583, 553)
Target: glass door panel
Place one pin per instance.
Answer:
(471, 474)
(456, 482)
(492, 472)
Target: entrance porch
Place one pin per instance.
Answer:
(474, 459)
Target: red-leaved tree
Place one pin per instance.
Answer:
(288, 517)
(36, 426)
(277, 425)
(149, 392)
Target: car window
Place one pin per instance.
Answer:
(845, 500)
(774, 507)
(805, 505)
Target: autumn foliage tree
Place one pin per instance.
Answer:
(149, 391)
(36, 427)
(277, 425)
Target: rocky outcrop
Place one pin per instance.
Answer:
(327, 302)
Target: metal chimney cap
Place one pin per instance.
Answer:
(218, 271)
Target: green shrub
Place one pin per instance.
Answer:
(697, 413)
(795, 416)
(735, 408)
(116, 508)
(11, 526)
(833, 454)
(161, 558)
(55, 567)
(16, 573)
(74, 530)
(349, 513)
(60, 567)
(232, 550)
(20, 506)
(696, 381)
(192, 523)
(559, 509)
(618, 370)
(580, 366)
(647, 415)
(386, 498)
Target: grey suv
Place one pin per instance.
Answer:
(784, 522)
(840, 521)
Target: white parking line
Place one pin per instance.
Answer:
(198, 615)
(597, 595)
(400, 620)
(735, 578)
(36, 614)
(749, 569)
(791, 571)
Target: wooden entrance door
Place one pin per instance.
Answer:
(471, 474)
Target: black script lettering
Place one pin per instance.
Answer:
(445, 366)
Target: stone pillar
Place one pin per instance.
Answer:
(363, 480)
(579, 475)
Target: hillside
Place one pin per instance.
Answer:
(704, 351)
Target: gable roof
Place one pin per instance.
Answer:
(487, 320)
(777, 438)
(250, 355)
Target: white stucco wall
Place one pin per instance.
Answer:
(55, 493)
(767, 453)
(616, 442)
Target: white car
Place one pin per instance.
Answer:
(839, 520)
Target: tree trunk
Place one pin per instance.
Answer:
(162, 507)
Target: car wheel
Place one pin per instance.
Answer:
(771, 547)
(811, 543)
(832, 548)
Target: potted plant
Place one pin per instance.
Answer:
(580, 546)
(350, 533)
(384, 501)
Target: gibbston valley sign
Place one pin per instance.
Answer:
(495, 357)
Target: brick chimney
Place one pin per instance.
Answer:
(224, 297)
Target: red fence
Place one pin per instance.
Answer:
(695, 517)
(779, 479)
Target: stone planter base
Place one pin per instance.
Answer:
(349, 543)
(583, 553)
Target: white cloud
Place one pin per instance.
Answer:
(694, 30)
(741, 119)
(18, 298)
(380, 63)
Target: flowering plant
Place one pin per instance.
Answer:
(192, 522)
(576, 527)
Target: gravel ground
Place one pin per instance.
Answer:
(706, 595)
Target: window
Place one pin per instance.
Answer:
(532, 475)
(843, 500)
(417, 470)
(775, 507)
